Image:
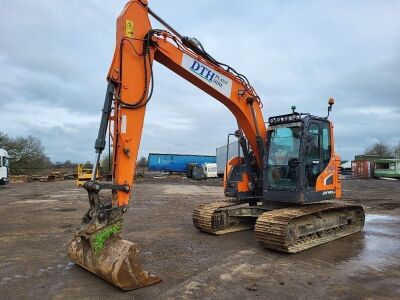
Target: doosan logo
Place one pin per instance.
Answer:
(328, 192)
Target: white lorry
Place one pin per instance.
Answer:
(4, 167)
(210, 170)
(203, 171)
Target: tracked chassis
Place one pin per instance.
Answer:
(224, 216)
(287, 229)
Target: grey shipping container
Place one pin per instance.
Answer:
(221, 156)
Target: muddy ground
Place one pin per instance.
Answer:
(38, 219)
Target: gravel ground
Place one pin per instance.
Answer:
(38, 219)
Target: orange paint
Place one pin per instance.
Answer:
(331, 170)
(242, 186)
(127, 72)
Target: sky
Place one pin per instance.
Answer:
(54, 57)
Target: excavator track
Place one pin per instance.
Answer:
(299, 228)
(209, 218)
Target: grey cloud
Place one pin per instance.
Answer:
(56, 55)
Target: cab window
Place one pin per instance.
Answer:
(313, 155)
(3, 161)
(326, 143)
(314, 152)
(283, 157)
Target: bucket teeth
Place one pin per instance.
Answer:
(117, 262)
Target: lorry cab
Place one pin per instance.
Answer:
(300, 162)
(4, 167)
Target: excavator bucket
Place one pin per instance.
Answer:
(117, 262)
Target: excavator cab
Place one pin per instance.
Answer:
(299, 163)
(300, 167)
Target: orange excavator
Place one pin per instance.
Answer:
(283, 186)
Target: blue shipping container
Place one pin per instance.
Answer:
(176, 162)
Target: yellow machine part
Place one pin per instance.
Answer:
(84, 174)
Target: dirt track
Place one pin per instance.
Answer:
(38, 219)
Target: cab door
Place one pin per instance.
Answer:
(313, 153)
(319, 174)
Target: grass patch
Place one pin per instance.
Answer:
(98, 239)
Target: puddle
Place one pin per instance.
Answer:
(59, 196)
(39, 272)
(65, 209)
(375, 217)
(376, 247)
(381, 244)
(191, 190)
(34, 201)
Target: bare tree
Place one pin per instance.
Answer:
(4, 140)
(142, 163)
(396, 150)
(379, 149)
(106, 163)
(25, 152)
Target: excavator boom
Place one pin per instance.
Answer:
(97, 245)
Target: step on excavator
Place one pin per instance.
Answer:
(284, 186)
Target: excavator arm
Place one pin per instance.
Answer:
(132, 79)
(97, 245)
